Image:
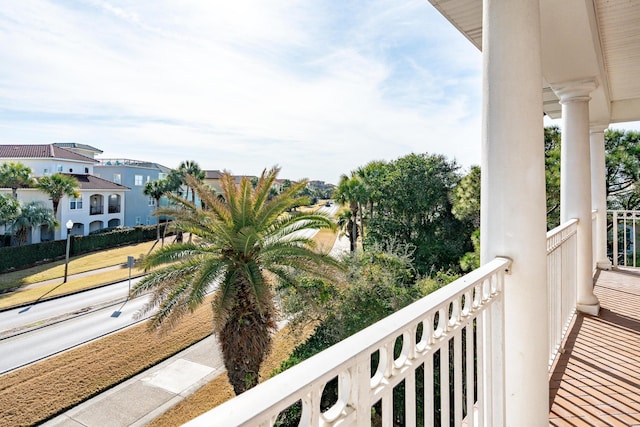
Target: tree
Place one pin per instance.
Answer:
(175, 182)
(57, 186)
(247, 244)
(415, 209)
(552, 139)
(348, 193)
(156, 189)
(32, 214)
(372, 176)
(345, 223)
(622, 157)
(190, 167)
(9, 209)
(14, 176)
(466, 198)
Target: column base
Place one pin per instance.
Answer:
(592, 309)
(604, 265)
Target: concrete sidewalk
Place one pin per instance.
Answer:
(139, 400)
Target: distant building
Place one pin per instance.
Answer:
(133, 174)
(212, 179)
(101, 202)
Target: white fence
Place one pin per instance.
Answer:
(561, 283)
(431, 361)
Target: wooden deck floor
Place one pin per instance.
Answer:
(596, 381)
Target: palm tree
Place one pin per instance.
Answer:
(14, 176)
(348, 193)
(190, 167)
(156, 189)
(31, 215)
(247, 245)
(57, 186)
(346, 225)
(372, 175)
(9, 209)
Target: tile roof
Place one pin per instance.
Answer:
(41, 151)
(78, 146)
(90, 182)
(212, 174)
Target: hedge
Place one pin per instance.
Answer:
(16, 257)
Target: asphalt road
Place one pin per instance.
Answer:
(29, 334)
(51, 330)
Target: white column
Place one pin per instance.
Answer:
(599, 195)
(575, 182)
(513, 204)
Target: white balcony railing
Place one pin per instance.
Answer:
(561, 283)
(594, 234)
(623, 236)
(395, 363)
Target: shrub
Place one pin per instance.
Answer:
(17, 257)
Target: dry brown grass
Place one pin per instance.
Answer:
(325, 239)
(219, 390)
(44, 389)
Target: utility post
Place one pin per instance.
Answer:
(130, 263)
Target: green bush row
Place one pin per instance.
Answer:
(16, 257)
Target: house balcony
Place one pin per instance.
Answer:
(596, 379)
(391, 373)
(96, 210)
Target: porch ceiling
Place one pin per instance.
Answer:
(581, 39)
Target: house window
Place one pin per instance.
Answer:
(59, 168)
(138, 222)
(86, 170)
(148, 178)
(152, 201)
(46, 172)
(138, 180)
(162, 175)
(75, 204)
(148, 221)
(117, 178)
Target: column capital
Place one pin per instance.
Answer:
(598, 128)
(574, 90)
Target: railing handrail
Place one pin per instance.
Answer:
(561, 233)
(284, 389)
(561, 283)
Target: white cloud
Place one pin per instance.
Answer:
(318, 88)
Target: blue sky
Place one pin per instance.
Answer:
(318, 88)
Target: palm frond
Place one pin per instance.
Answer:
(245, 203)
(171, 253)
(261, 192)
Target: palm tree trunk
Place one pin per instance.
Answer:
(354, 225)
(245, 340)
(157, 220)
(361, 223)
(193, 200)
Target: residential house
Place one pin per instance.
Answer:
(101, 202)
(133, 174)
(212, 179)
